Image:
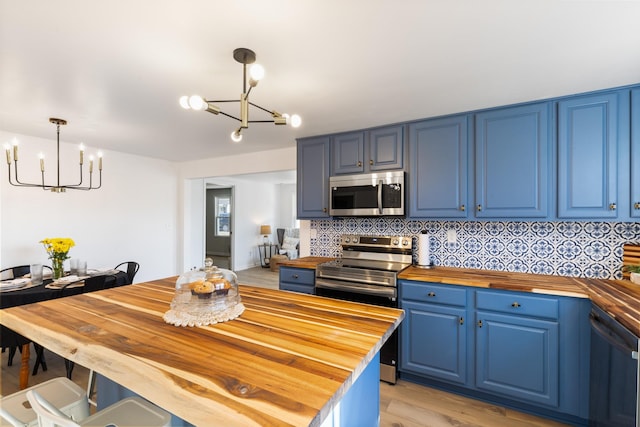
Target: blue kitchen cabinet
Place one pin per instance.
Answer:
(591, 137)
(296, 279)
(312, 174)
(434, 331)
(525, 350)
(635, 153)
(368, 151)
(533, 348)
(438, 168)
(513, 148)
(347, 153)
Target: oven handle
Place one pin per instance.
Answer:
(611, 337)
(382, 291)
(380, 183)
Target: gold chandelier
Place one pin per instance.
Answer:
(245, 57)
(57, 188)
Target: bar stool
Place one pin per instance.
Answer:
(132, 411)
(61, 392)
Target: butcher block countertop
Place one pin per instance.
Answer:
(620, 298)
(310, 262)
(287, 360)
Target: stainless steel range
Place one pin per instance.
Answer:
(367, 272)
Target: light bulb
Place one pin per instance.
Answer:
(256, 72)
(296, 121)
(184, 102)
(236, 136)
(196, 102)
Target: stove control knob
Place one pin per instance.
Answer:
(355, 239)
(405, 242)
(347, 239)
(395, 242)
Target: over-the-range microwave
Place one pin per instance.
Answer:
(371, 194)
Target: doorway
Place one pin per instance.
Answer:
(219, 226)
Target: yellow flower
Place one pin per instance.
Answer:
(58, 247)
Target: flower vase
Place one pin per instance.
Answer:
(58, 268)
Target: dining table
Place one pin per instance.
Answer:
(288, 359)
(49, 289)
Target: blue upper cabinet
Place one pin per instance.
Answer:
(385, 148)
(368, 151)
(347, 153)
(635, 153)
(513, 157)
(438, 160)
(313, 178)
(591, 136)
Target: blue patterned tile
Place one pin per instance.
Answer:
(583, 249)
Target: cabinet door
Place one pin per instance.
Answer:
(313, 178)
(517, 357)
(434, 341)
(347, 153)
(385, 148)
(635, 153)
(438, 156)
(512, 162)
(587, 156)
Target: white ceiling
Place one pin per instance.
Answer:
(115, 69)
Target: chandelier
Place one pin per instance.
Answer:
(58, 188)
(256, 72)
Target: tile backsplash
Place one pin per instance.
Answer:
(580, 249)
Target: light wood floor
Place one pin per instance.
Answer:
(401, 405)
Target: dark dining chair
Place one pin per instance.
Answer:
(131, 270)
(15, 272)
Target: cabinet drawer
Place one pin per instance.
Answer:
(431, 293)
(301, 276)
(517, 303)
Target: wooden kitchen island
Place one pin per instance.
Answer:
(288, 360)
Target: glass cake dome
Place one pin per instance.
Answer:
(204, 297)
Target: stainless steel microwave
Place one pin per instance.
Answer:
(372, 194)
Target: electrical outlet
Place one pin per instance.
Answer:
(452, 236)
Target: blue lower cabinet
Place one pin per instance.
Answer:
(518, 349)
(438, 341)
(518, 357)
(295, 279)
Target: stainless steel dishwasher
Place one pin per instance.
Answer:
(614, 373)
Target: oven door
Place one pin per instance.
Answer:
(368, 294)
(367, 195)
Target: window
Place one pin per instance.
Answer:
(223, 214)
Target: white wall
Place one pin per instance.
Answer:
(148, 210)
(132, 217)
(253, 202)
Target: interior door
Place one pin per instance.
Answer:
(218, 227)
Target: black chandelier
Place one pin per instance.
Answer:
(57, 188)
(245, 57)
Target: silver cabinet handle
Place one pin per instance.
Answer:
(612, 206)
(359, 163)
(636, 205)
(461, 320)
(515, 304)
(463, 208)
(431, 294)
(479, 208)
(371, 162)
(479, 323)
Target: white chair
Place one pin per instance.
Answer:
(132, 411)
(61, 392)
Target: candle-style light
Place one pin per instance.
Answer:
(57, 188)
